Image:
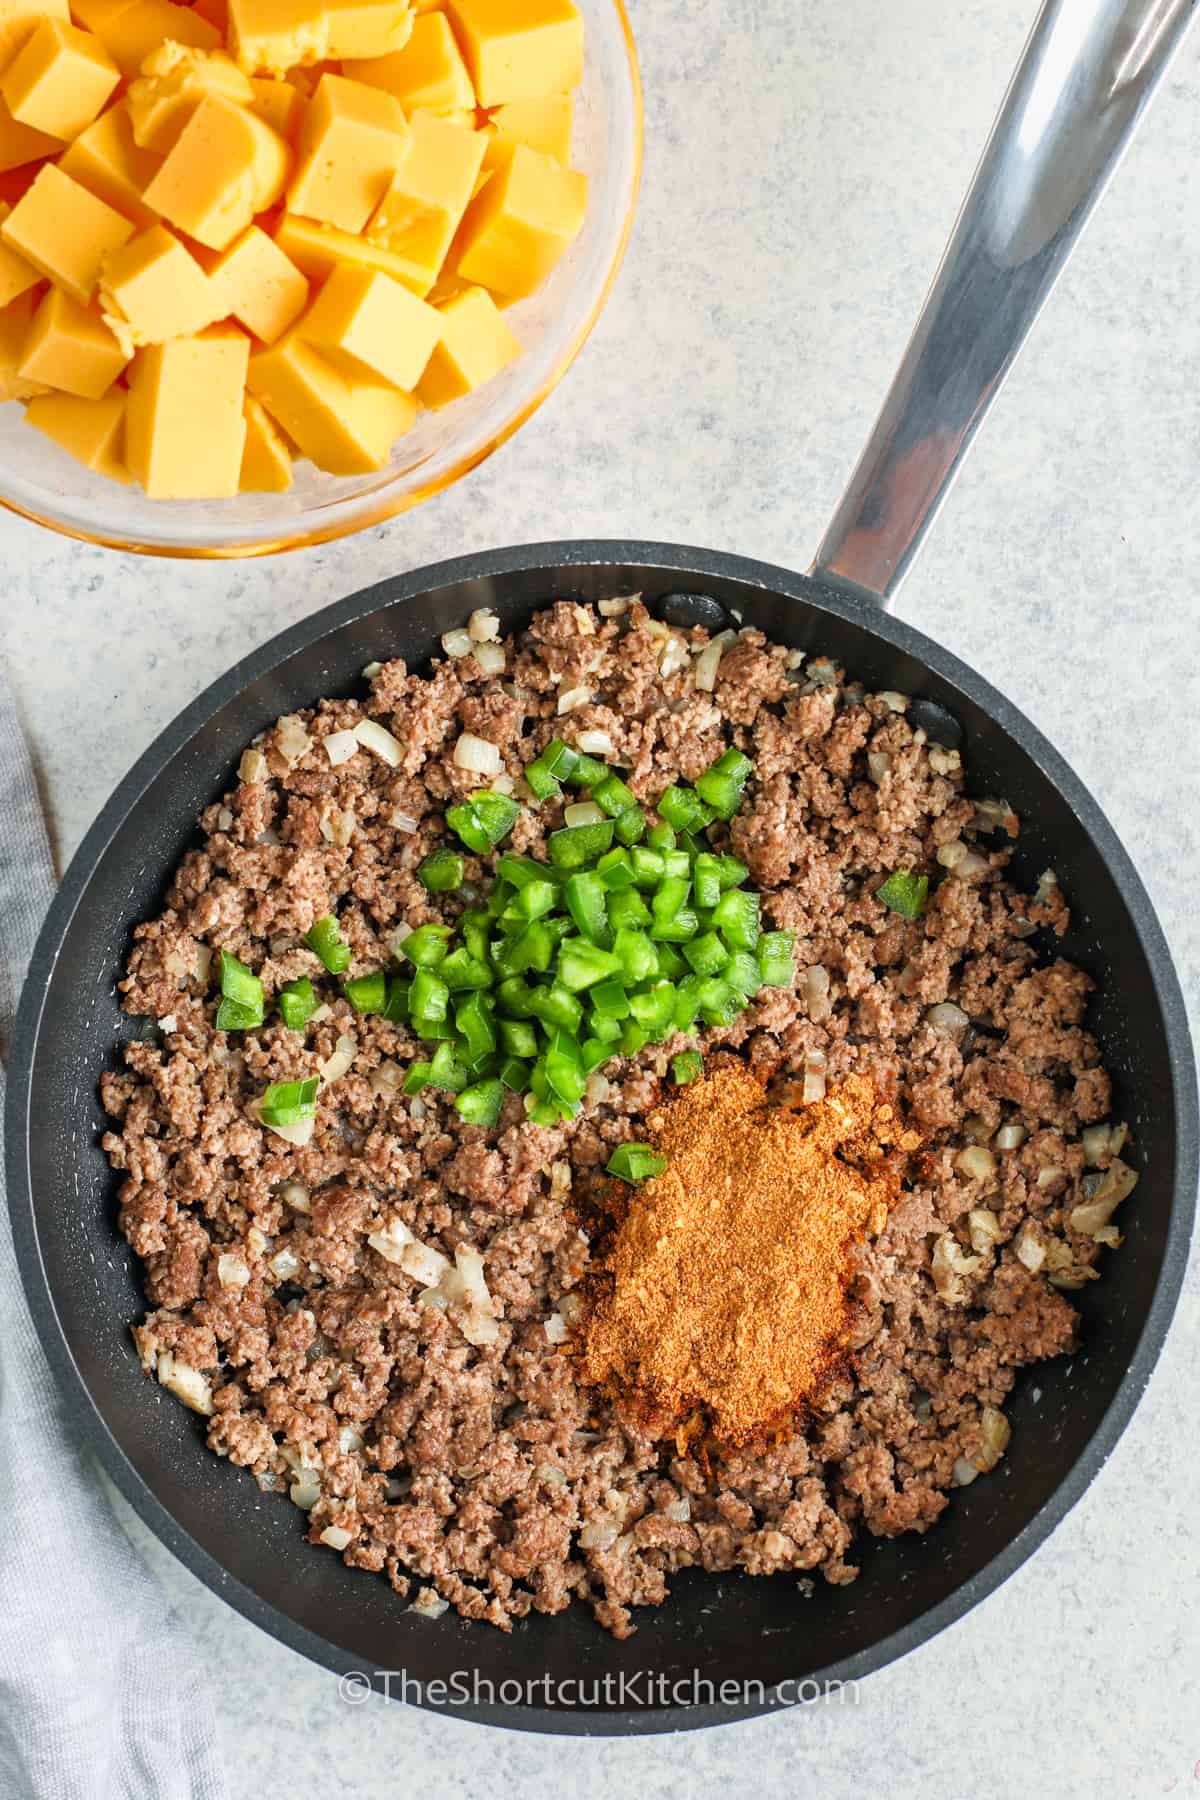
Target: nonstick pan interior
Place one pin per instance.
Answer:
(249, 1547)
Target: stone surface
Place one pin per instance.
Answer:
(803, 169)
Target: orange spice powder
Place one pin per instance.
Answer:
(728, 1285)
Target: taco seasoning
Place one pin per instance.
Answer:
(729, 1285)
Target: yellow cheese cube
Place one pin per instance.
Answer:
(64, 231)
(131, 29)
(173, 82)
(266, 459)
(422, 209)
(260, 285)
(21, 143)
(16, 275)
(519, 49)
(151, 289)
(544, 125)
(475, 345)
(226, 166)
(345, 427)
(91, 431)
(60, 79)
(429, 71)
(359, 28)
(367, 324)
(184, 425)
(272, 36)
(106, 159)
(18, 19)
(317, 249)
(278, 103)
(519, 225)
(351, 141)
(70, 347)
(14, 329)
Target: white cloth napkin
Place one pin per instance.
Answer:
(100, 1697)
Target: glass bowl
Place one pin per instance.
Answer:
(41, 482)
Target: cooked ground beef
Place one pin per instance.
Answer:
(484, 1473)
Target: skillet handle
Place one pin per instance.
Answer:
(1086, 75)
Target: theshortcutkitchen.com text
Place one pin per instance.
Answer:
(609, 1692)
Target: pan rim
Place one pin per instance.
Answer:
(701, 564)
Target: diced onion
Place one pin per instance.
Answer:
(950, 855)
(477, 755)
(983, 1229)
(1095, 1144)
(490, 658)
(897, 703)
(187, 1384)
(168, 1024)
(675, 656)
(232, 1272)
(879, 764)
(204, 958)
(402, 932)
(285, 1265)
(457, 643)
(995, 1432)
(601, 1534)
(947, 1019)
(388, 1078)
(1103, 1195)
(403, 821)
(253, 767)
(1010, 1137)
(423, 1263)
(257, 1241)
(430, 1609)
(595, 743)
(371, 670)
(296, 1195)
(815, 1064)
(584, 812)
(612, 609)
(337, 1065)
(300, 1133)
(305, 1491)
(391, 1241)
(349, 1440)
(1030, 1250)
(483, 626)
(975, 1162)
(503, 784)
(597, 1089)
(1047, 882)
(965, 1472)
(949, 1264)
(679, 1510)
(709, 661)
(556, 1329)
(944, 762)
(224, 819)
(571, 699)
(469, 1264)
(375, 737)
(340, 746)
(815, 986)
(291, 739)
(337, 1537)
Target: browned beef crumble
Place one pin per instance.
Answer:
(485, 1474)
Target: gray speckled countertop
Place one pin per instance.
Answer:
(804, 164)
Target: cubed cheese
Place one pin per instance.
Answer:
(174, 81)
(272, 36)
(277, 102)
(60, 79)
(358, 28)
(92, 431)
(18, 19)
(21, 143)
(475, 344)
(317, 249)
(225, 166)
(65, 231)
(544, 125)
(366, 324)
(429, 71)
(422, 209)
(259, 285)
(519, 49)
(131, 29)
(152, 289)
(15, 320)
(184, 424)
(351, 142)
(345, 427)
(519, 225)
(266, 459)
(106, 159)
(16, 275)
(70, 347)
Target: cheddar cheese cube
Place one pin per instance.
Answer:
(16, 275)
(106, 159)
(429, 71)
(18, 19)
(174, 80)
(519, 225)
(266, 460)
(70, 347)
(272, 36)
(15, 320)
(519, 49)
(351, 142)
(22, 143)
(226, 165)
(92, 431)
(345, 427)
(366, 324)
(184, 424)
(65, 231)
(318, 249)
(60, 80)
(131, 29)
(278, 103)
(152, 289)
(422, 209)
(259, 285)
(544, 125)
(360, 28)
(474, 345)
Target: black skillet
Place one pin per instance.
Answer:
(1028, 202)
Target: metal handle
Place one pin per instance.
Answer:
(1077, 97)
